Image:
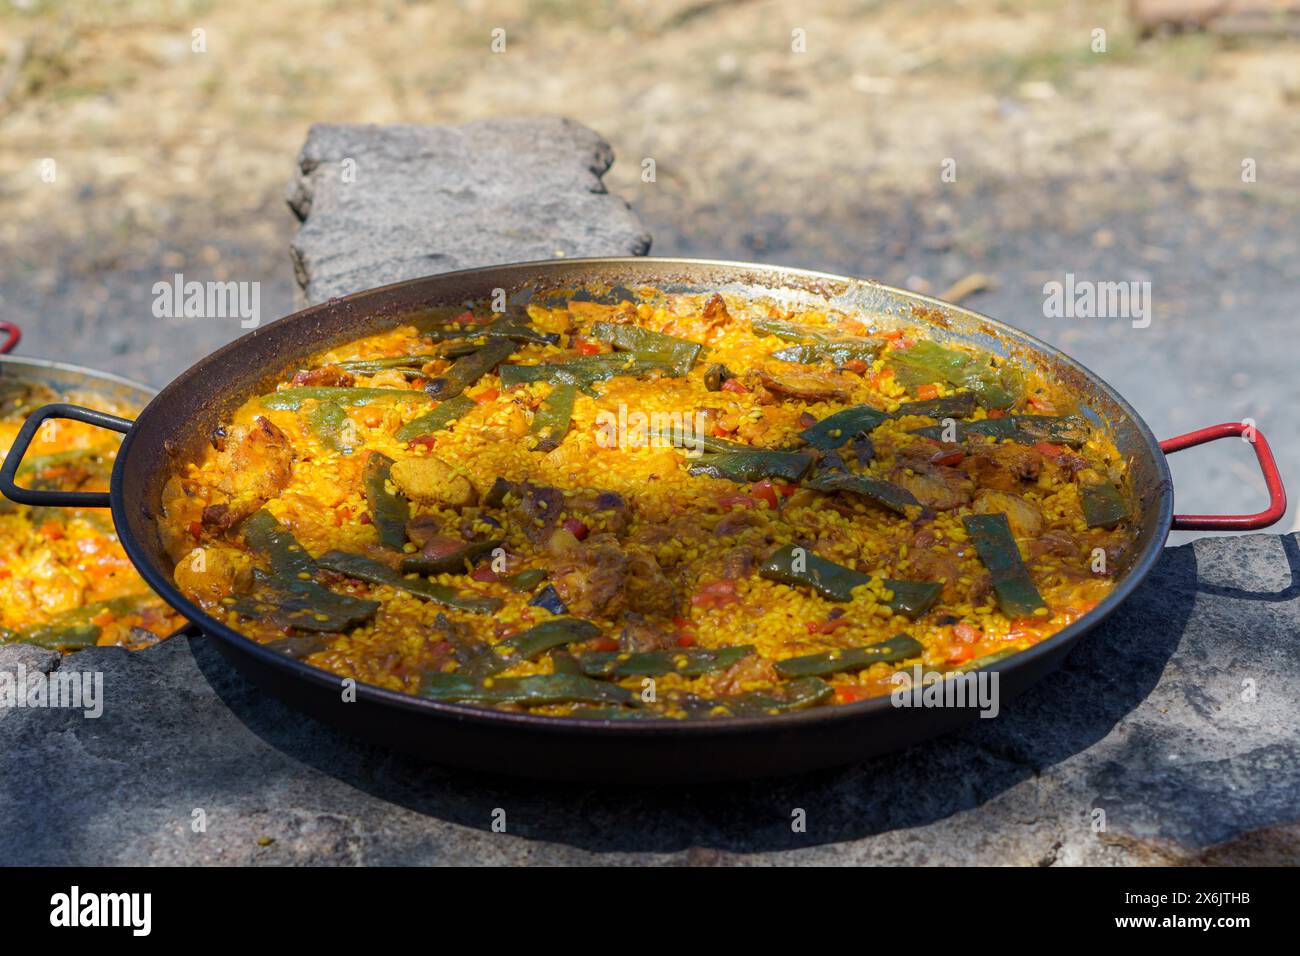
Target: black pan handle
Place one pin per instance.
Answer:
(55, 499)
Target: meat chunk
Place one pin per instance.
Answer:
(936, 487)
(930, 562)
(611, 507)
(432, 481)
(640, 634)
(748, 673)
(1004, 467)
(591, 577)
(535, 509)
(328, 375)
(210, 573)
(1025, 519)
(715, 311)
(808, 386)
(256, 464)
(648, 590)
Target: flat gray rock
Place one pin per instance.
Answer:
(1177, 719)
(380, 204)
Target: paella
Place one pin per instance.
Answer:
(667, 506)
(65, 582)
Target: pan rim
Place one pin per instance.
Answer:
(657, 727)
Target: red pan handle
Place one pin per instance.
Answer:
(1272, 480)
(12, 336)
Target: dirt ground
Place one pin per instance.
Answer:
(1119, 165)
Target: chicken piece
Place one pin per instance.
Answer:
(806, 385)
(431, 480)
(535, 509)
(612, 508)
(648, 590)
(748, 673)
(1060, 544)
(422, 528)
(734, 522)
(936, 487)
(929, 562)
(590, 578)
(739, 562)
(1003, 467)
(1025, 519)
(640, 634)
(256, 464)
(207, 574)
(329, 375)
(715, 312)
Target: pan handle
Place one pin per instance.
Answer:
(12, 336)
(1272, 480)
(54, 499)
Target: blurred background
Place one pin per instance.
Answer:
(1170, 156)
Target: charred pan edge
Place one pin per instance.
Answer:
(212, 388)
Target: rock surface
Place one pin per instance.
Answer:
(384, 203)
(1177, 718)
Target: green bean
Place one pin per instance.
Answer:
(532, 643)
(958, 405)
(838, 429)
(1103, 505)
(679, 353)
(797, 566)
(288, 596)
(331, 424)
(438, 419)
(834, 351)
(291, 399)
(74, 628)
(889, 651)
(526, 580)
(389, 512)
(1023, 429)
(887, 494)
(927, 362)
(466, 371)
(991, 535)
(370, 366)
(795, 695)
(289, 560)
(373, 572)
(752, 465)
(551, 421)
(538, 689)
(689, 662)
(583, 372)
(453, 562)
(984, 661)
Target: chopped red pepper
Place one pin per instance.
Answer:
(718, 593)
(488, 396)
(857, 365)
(949, 457)
(587, 348)
(927, 392)
(1048, 450)
(576, 528)
(765, 491)
(734, 385)
(685, 639)
(485, 574)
